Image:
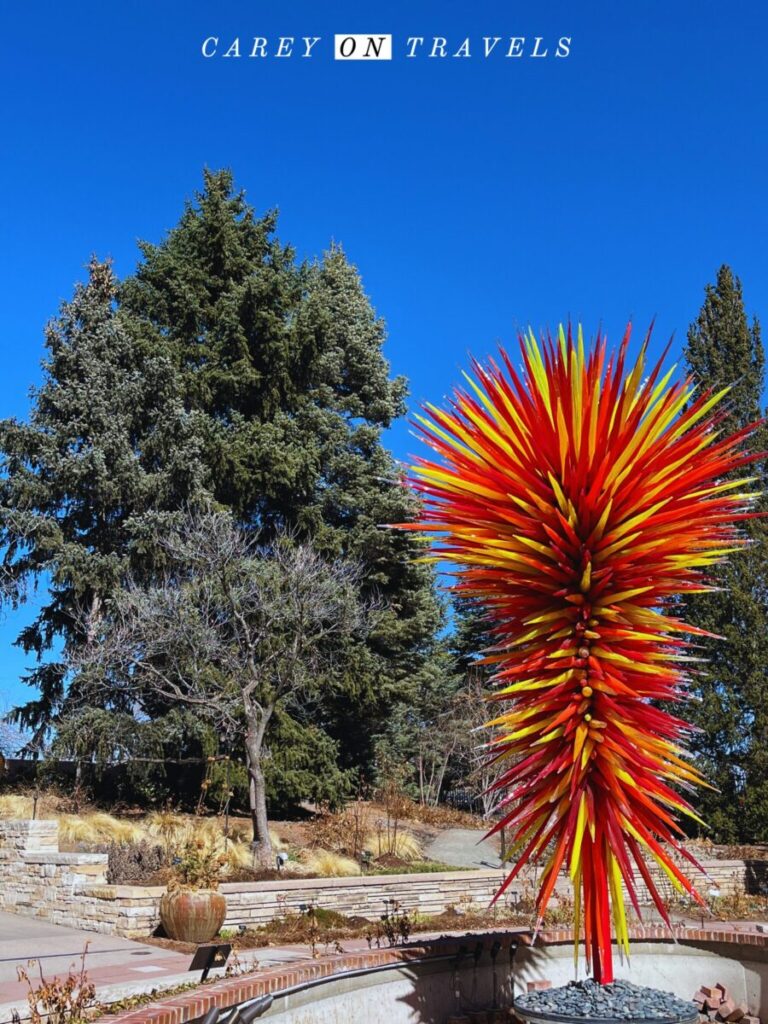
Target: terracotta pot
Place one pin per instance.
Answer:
(192, 915)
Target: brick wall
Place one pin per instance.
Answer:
(70, 888)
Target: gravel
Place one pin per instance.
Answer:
(620, 1000)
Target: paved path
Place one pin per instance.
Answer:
(118, 967)
(461, 848)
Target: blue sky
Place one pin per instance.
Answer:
(476, 196)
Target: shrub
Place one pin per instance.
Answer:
(61, 1000)
(343, 832)
(140, 863)
(198, 864)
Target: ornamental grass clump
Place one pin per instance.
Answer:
(579, 499)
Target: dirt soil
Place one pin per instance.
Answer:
(332, 928)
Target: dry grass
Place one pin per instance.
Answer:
(330, 852)
(171, 828)
(97, 829)
(239, 856)
(443, 816)
(94, 828)
(22, 805)
(118, 830)
(327, 864)
(330, 927)
(401, 844)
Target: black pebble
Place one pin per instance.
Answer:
(620, 1000)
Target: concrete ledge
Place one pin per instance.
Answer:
(124, 892)
(362, 881)
(54, 857)
(727, 934)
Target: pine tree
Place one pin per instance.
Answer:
(724, 349)
(108, 441)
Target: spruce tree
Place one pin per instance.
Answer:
(472, 638)
(108, 441)
(222, 368)
(724, 349)
(284, 362)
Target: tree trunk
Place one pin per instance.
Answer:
(78, 785)
(257, 791)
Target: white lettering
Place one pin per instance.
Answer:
(309, 42)
(285, 46)
(206, 50)
(516, 46)
(259, 47)
(413, 42)
(438, 43)
(536, 49)
(463, 50)
(234, 50)
(490, 44)
(563, 46)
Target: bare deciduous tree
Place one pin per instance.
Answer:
(231, 630)
(485, 769)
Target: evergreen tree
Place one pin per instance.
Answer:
(108, 441)
(221, 368)
(472, 638)
(724, 349)
(285, 364)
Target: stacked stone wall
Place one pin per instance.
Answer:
(37, 880)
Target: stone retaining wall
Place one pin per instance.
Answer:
(38, 881)
(70, 888)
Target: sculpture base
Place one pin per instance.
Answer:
(619, 1002)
